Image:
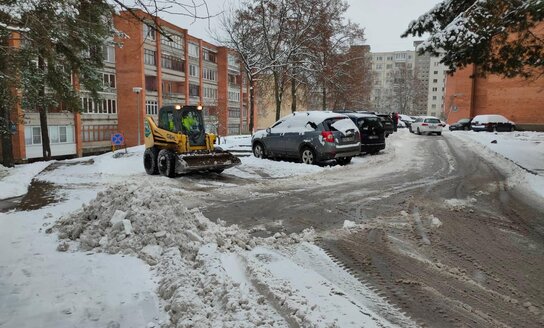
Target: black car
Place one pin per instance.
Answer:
(371, 130)
(462, 124)
(387, 123)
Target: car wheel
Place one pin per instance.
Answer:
(307, 155)
(166, 162)
(343, 160)
(410, 129)
(418, 132)
(258, 150)
(466, 128)
(150, 161)
(439, 133)
(512, 129)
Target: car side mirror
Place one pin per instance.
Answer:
(268, 130)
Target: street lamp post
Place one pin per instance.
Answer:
(137, 91)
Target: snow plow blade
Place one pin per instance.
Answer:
(214, 161)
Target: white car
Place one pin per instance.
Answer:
(493, 122)
(426, 124)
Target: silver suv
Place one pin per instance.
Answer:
(312, 137)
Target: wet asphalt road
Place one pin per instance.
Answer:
(442, 236)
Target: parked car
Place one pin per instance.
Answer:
(407, 120)
(312, 137)
(387, 124)
(426, 124)
(371, 130)
(462, 124)
(490, 123)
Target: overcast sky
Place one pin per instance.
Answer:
(384, 20)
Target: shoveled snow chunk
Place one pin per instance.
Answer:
(349, 224)
(193, 236)
(103, 242)
(117, 217)
(151, 254)
(435, 222)
(127, 226)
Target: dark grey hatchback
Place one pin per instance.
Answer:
(312, 137)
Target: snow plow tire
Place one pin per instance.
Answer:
(166, 162)
(150, 161)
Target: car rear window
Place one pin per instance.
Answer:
(342, 124)
(372, 122)
(432, 120)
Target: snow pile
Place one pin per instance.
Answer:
(14, 182)
(455, 204)
(184, 247)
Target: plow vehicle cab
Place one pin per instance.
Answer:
(180, 144)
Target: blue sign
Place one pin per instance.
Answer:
(117, 139)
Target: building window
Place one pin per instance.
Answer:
(435, 89)
(209, 74)
(103, 106)
(389, 66)
(172, 62)
(109, 80)
(209, 56)
(57, 134)
(379, 58)
(149, 32)
(435, 72)
(150, 83)
(234, 96)
(194, 90)
(193, 70)
(434, 97)
(234, 113)
(93, 133)
(108, 54)
(232, 60)
(150, 57)
(151, 107)
(193, 50)
(379, 66)
(233, 129)
(435, 81)
(433, 106)
(173, 41)
(36, 135)
(210, 93)
(389, 58)
(400, 56)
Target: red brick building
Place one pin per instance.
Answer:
(178, 69)
(519, 100)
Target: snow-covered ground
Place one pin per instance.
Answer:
(124, 249)
(15, 181)
(524, 149)
(158, 262)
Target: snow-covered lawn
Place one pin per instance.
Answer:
(524, 149)
(15, 181)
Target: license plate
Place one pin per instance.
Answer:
(433, 126)
(373, 137)
(348, 139)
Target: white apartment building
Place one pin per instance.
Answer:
(437, 81)
(383, 64)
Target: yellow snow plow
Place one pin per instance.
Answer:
(179, 144)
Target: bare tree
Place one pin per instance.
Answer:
(241, 31)
(405, 91)
(334, 37)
